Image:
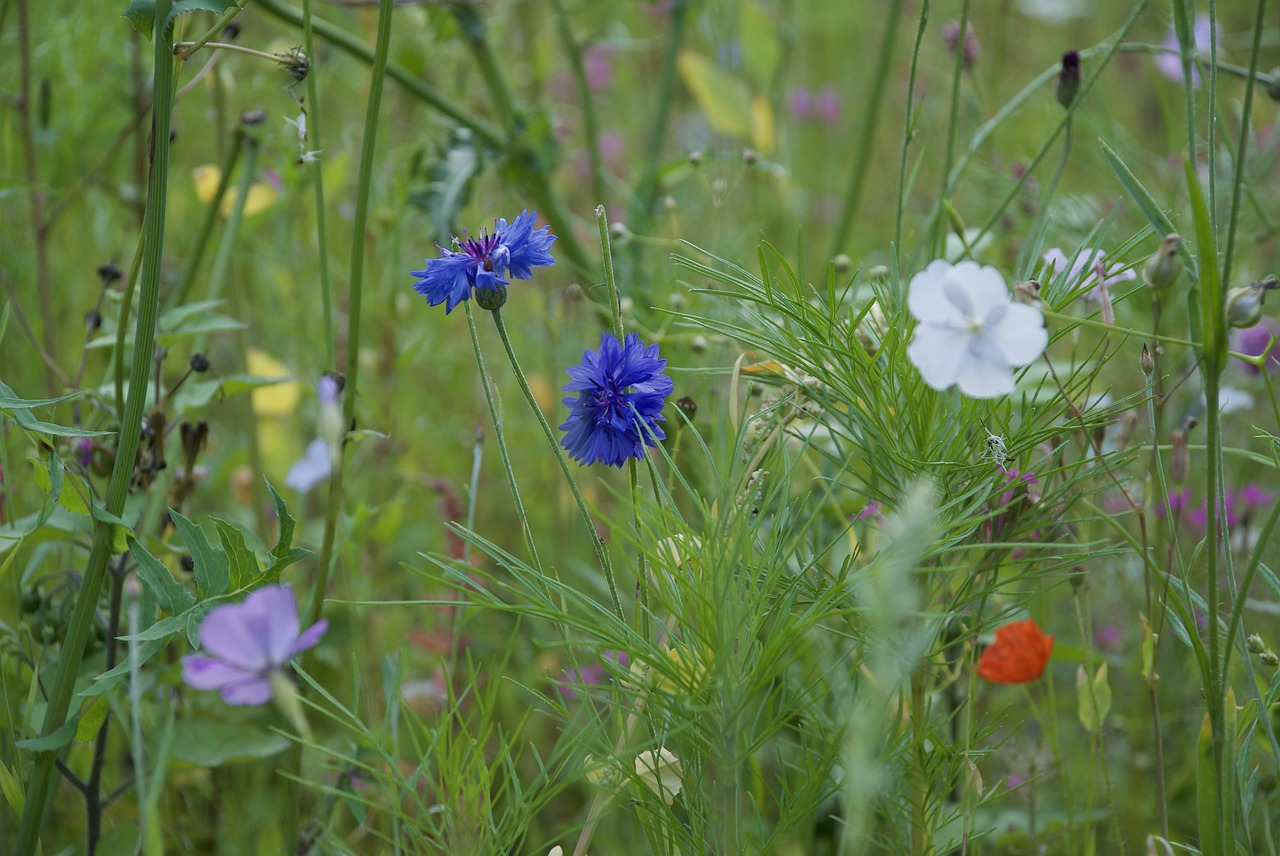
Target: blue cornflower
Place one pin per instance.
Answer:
(620, 389)
(483, 261)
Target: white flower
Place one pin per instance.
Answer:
(660, 770)
(970, 333)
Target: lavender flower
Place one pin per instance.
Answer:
(250, 642)
(312, 468)
(481, 263)
(1099, 274)
(621, 390)
(1170, 64)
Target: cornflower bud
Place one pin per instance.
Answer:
(1148, 364)
(1254, 644)
(1069, 78)
(1269, 658)
(1164, 266)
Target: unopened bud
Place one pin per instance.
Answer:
(1254, 644)
(1069, 78)
(1148, 364)
(1180, 460)
(688, 407)
(1269, 658)
(109, 273)
(1244, 306)
(253, 117)
(1028, 291)
(199, 363)
(491, 298)
(879, 274)
(1273, 84)
(695, 158)
(842, 263)
(1165, 265)
(750, 157)
(698, 344)
(619, 233)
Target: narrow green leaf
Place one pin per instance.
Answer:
(92, 715)
(51, 742)
(163, 629)
(10, 786)
(1146, 203)
(1213, 311)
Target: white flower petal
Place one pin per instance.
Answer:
(938, 352)
(1019, 334)
(983, 373)
(925, 297)
(984, 285)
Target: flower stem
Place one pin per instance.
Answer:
(1237, 178)
(312, 111)
(496, 414)
(870, 123)
(602, 555)
(40, 783)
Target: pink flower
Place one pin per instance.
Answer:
(250, 642)
(1263, 338)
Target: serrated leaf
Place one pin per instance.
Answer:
(142, 13)
(283, 554)
(18, 409)
(109, 679)
(212, 569)
(92, 715)
(170, 594)
(163, 629)
(242, 562)
(723, 98)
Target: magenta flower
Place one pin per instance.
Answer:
(250, 642)
(1257, 340)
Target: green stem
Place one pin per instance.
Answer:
(870, 123)
(500, 434)
(602, 555)
(40, 783)
(953, 115)
(122, 325)
(355, 296)
(908, 130)
(213, 31)
(647, 192)
(312, 112)
(590, 124)
(1237, 178)
(611, 285)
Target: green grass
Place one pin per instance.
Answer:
(808, 662)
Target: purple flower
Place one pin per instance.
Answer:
(84, 450)
(951, 35)
(597, 68)
(1170, 64)
(621, 390)
(800, 102)
(250, 642)
(1263, 338)
(826, 105)
(592, 674)
(1085, 269)
(481, 262)
(870, 510)
(312, 468)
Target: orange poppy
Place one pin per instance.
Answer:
(1018, 655)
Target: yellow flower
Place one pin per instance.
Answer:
(660, 770)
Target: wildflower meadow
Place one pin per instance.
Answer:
(550, 427)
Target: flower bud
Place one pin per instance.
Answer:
(842, 263)
(1244, 306)
(1254, 644)
(1069, 78)
(1164, 266)
(1180, 460)
(1146, 361)
(491, 298)
(1269, 658)
(688, 407)
(1273, 85)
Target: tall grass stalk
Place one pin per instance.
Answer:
(40, 784)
